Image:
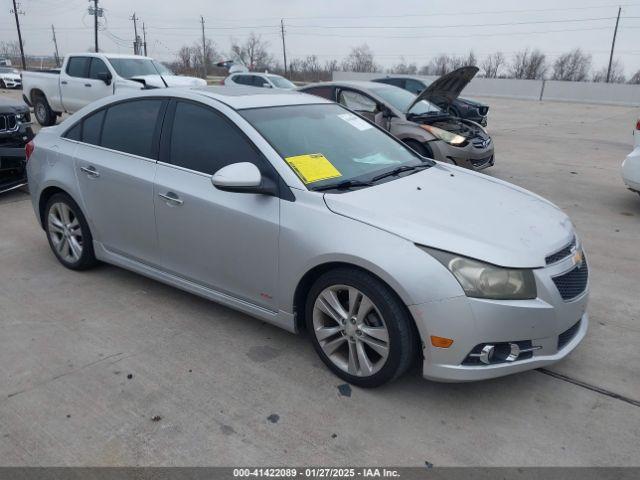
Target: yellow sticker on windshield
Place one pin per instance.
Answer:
(313, 167)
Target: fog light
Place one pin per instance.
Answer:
(441, 342)
(487, 354)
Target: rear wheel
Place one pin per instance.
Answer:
(359, 328)
(68, 233)
(44, 115)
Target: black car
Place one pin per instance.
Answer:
(15, 133)
(458, 107)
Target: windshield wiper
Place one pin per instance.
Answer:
(399, 170)
(345, 184)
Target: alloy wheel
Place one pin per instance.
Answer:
(350, 330)
(65, 232)
(41, 112)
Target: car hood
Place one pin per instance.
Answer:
(9, 105)
(447, 88)
(171, 80)
(464, 212)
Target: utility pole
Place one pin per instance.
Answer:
(96, 12)
(284, 48)
(204, 50)
(144, 39)
(135, 34)
(17, 12)
(613, 45)
(55, 43)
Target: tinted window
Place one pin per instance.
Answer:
(324, 92)
(74, 132)
(129, 127)
(414, 86)
(204, 141)
(258, 81)
(97, 66)
(91, 128)
(243, 79)
(78, 66)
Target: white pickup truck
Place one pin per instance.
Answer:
(86, 77)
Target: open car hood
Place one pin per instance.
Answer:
(447, 88)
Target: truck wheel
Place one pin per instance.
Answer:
(2, 84)
(44, 115)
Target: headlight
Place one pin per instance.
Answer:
(483, 280)
(449, 137)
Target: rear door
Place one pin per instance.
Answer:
(222, 240)
(116, 165)
(72, 82)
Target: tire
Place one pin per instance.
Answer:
(2, 84)
(342, 337)
(68, 233)
(43, 113)
(420, 148)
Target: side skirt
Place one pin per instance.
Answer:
(279, 319)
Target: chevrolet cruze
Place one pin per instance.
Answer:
(292, 209)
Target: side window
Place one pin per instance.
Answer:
(74, 132)
(204, 141)
(91, 128)
(78, 66)
(258, 81)
(324, 92)
(414, 86)
(242, 79)
(97, 67)
(357, 101)
(130, 126)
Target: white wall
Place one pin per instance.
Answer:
(582, 92)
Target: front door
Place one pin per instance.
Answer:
(116, 165)
(222, 240)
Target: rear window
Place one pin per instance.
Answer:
(129, 127)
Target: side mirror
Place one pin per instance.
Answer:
(105, 77)
(243, 177)
(267, 85)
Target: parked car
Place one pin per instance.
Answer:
(263, 80)
(308, 217)
(86, 77)
(456, 106)
(15, 133)
(10, 78)
(419, 123)
(631, 165)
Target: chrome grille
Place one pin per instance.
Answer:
(8, 123)
(572, 283)
(566, 336)
(561, 254)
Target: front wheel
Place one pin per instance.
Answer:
(44, 115)
(68, 233)
(359, 327)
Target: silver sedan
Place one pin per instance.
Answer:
(294, 210)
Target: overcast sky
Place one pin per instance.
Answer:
(415, 29)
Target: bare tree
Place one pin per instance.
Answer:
(253, 53)
(635, 79)
(404, 68)
(529, 64)
(184, 58)
(492, 64)
(572, 66)
(209, 56)
(360, 59)
(440, 65)
(617, 73)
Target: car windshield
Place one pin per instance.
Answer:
(162, 69)
(326, 145)
(281, 82)
(401, 100)
(133, 67)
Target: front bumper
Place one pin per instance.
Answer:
(12, 158)
(12, 83)
(471, 322)
(468, 156)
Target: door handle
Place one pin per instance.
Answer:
(91, 171)
(171, 198)
(63, 82)
(87, 84)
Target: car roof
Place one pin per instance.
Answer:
(108, 55)
(241, 97)
(364, 85)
